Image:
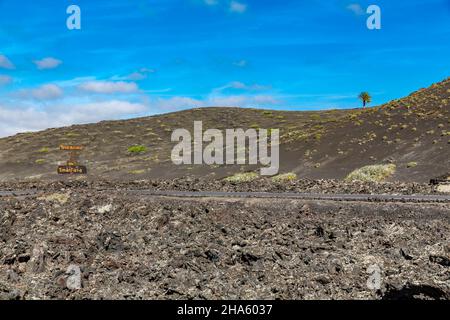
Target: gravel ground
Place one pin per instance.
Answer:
(263, 185)
(77, 243)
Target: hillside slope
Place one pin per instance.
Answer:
(413, 133)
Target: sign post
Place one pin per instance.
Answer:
(72, 166)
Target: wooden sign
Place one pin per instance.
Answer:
(72, 170)
(70, 148)
(72, 166)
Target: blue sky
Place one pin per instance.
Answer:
(142, 57)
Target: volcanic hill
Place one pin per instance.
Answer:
(413, 133)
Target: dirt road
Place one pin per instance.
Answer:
(265, 195)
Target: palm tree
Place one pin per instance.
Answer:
(365, 98)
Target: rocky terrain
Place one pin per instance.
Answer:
(258, 185)
(77, 242)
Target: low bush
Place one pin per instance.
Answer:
(242, 177)
(137, 149)
(373, 173)
(285, 177)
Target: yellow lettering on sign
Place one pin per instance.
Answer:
(70, 148)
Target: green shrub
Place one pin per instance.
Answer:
(137, 149)
(373, 173)
(72, 134)
(285, 177)
(44, 150)
(411, 164)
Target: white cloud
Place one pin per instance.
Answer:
(356, 9)
(136, 76)
(243, 101)
(165, 90)
(44, 92)
(6, 63)
(47, 63)
(96, 111)
(139, 75)
(176, 103)
(240, 63)
(236, 85)
(147, 70)
(252, 87)
(108, 87)
(242, 86)
(75, 81)
(15, 120)
(5, 80)
(238, 7)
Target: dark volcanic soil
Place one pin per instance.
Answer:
(76, 243)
